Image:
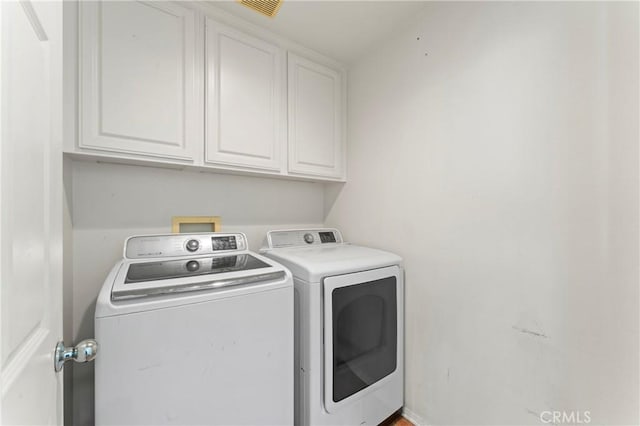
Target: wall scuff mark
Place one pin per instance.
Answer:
(533, 333)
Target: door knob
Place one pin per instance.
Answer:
(85, 351)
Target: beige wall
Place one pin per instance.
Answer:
(495, 147)
(109, 202)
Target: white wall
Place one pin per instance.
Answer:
(111, 202)
(495, 147)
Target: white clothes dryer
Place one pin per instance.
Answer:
(194, 330)
(349, 331)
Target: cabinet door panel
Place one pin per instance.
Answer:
(140, 89)
(315, 119)
(244, 99)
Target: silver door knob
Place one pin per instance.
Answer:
(85, 351)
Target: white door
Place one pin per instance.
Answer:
(30, 211)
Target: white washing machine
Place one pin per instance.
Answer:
(349, 334)
(194, 330)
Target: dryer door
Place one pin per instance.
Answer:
(362, 332)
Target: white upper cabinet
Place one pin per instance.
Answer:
(181, 85)
(140, 79)
(244, 100)
(315, 119)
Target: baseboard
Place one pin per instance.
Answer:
(413, 417)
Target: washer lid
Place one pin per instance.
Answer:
(313, 263)
(144, 278)
(189, 267)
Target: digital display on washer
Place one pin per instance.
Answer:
(223, 243)
(327, 237)
(152, 271)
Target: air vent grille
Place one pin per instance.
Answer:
(266, 7)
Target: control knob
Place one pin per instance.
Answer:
(193, 245)
(308, 238)
(193, 265)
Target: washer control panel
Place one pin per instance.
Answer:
(303, 237)
(173, 245)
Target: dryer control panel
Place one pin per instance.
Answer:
(302, 237)
(175, 245)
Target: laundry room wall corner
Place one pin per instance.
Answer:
(331, 193)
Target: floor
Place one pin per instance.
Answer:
(396, 419)
(401, 421)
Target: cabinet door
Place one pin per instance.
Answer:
(141, 79)
(316, 145)
(244, 100)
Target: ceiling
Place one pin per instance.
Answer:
(343, 30)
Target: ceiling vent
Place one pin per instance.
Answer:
(266, 7)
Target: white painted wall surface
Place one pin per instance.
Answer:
(495, 147)
(111, 202)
